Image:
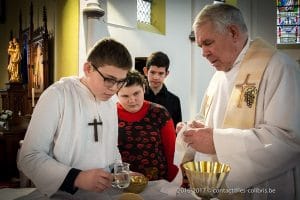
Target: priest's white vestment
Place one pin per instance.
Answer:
(59, 138)
(266, 156)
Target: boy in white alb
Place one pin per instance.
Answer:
(72, 136)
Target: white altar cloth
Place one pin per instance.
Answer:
(152, 192)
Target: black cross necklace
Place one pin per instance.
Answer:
(95, 123)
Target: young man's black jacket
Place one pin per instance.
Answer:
(167, 99)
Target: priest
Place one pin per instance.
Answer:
(250, 113)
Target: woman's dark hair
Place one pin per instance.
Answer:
(135, 78)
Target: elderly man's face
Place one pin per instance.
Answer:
(219, 48)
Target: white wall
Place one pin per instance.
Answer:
(189, 71)
(202, 71)
(175, 43)
(260, 17)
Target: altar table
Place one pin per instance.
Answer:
(156, 190)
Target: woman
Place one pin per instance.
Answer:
(146, 131)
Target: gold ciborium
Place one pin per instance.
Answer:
(206, 178)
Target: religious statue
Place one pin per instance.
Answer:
(38, 69)
(14, 62)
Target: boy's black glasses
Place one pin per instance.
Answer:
(109, 82)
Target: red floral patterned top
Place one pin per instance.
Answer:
(147, 141)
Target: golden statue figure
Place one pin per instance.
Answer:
(14, 62)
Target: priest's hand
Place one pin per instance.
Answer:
(179, 126)
(96, 180)
(192, 124)
(196, 124)
(200, 139)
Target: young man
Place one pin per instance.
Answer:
(72, 137)
(250, 114)
(157, 70)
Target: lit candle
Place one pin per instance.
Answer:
(32, 95)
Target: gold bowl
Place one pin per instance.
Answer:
(130, 196)
(138, 182)
(206, 178)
